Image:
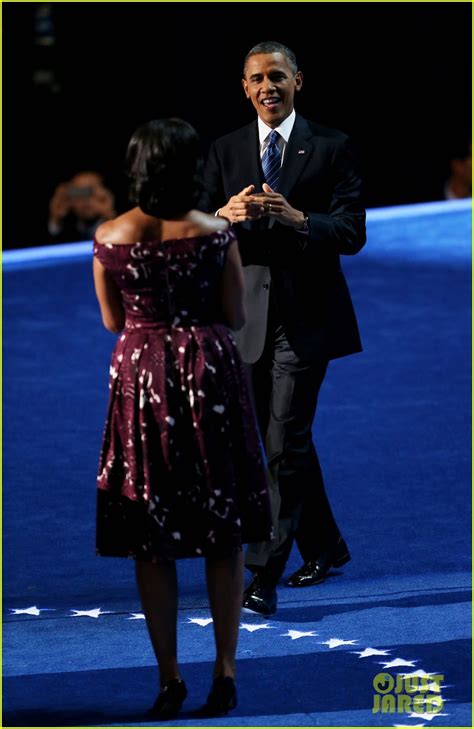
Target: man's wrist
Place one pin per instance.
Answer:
(303, 226)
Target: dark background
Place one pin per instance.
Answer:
(395, 76)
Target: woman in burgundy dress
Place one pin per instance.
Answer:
(181, 472)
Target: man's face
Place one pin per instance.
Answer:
(82, 190)
(270, 85)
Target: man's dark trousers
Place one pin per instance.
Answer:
(285, 390)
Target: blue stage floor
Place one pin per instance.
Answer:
(393, 435)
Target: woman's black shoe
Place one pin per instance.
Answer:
(222, 698)
(169, 700)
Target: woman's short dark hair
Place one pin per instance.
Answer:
(164, 164)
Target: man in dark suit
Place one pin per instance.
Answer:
(291, 189)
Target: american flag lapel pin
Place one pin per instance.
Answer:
(301, 151)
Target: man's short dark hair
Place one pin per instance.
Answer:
(273, 47)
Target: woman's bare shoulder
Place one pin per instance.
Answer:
(126, 228)
(209, 224)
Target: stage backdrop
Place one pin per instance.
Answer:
(79, 78)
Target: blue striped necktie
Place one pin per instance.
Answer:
(271, 161)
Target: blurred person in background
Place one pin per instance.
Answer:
(78, 207)
(459, 183)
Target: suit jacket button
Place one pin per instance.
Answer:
(265, 286)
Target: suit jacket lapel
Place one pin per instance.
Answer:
(250, 169)
(297, 155)
(249, 158)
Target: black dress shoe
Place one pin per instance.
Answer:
(315, 570)
(169, 701)
(222, 698)
(260, 596)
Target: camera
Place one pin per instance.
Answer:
(80, 192)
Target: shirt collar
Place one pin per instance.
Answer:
(284, 129)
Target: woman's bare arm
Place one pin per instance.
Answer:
(109, 297)
(233, 288)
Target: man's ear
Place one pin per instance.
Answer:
(245, 87)
(298, 80)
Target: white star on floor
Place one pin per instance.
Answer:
(427, 715)
(432, 685)
(295, 634)
(29, 611)
(252, 627)
(336, 642)
(370, 652)
(436, 688)
(89, 613)
(137, 616)
(200, 621)
(418, 674)
(397, 662)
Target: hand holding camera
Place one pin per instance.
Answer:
(84, 198)
(59, 205)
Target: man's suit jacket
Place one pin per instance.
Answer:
(319, 176)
